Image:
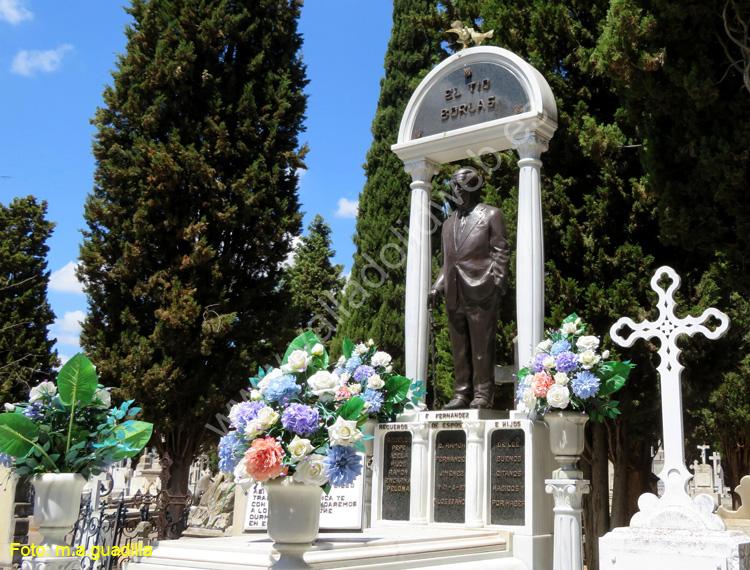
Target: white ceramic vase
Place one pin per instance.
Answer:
(369, 429)
(293, 520)
(57, 500)
(566, 438)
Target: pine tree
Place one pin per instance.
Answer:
(314, 282)
(373, 304)
(26, 355)
(193, 210)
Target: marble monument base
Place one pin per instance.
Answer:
(637, 548)
(384, 548)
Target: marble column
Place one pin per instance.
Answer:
(530, 245)
(419, 467)
(475, 472)
(568, 542)
(418, 268)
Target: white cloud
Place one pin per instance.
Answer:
(28, 62)
(289, 261)
(14, 12)
(68, 329)
(65, 281)
(347, 208)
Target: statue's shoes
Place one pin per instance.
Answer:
(480, 404)
(456, 404)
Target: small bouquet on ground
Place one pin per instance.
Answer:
(365, 371)
(293, 425)
(69, 427)
(566, 371)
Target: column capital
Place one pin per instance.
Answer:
(530, 145)
(419, 432)
(421, 169)
(474, 429)
(567, 493)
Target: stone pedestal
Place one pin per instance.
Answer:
(467, 469)
(568, 494)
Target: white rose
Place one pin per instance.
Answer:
(241, 475)
(544, 346)
(318, 350)
(587, 343)
(265, 419)
(311, 471)
(558, 396)
(381, 359)
(355, 388)
(605, 354)
(375, 382)
(255, 395)
(344, 432)
(263, 384)
(298, 361)
(360, 349)
(46, 388)
(341, 362)
(548, 362)
(561, 378)
(104, 399)
(299, 448)
(529, 400)
(10, 408)
(370, 342)
(389, 369)
(343, 379)
(588, 359)
(569, 328)
(323, 384)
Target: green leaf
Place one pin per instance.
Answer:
(135, 438)
(571, 318)
(351, 410)
(306, 341)
(398, 388)
(17, 434)
(77, 380)
(359, 446)
(348, 348)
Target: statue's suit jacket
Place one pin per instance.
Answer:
(476, 256)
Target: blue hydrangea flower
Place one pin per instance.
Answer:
(352, 364)
(6, 460)
(363, 373)
(343, 465)
(282, 387)
(34, 412)
(567, 362)
(246, 412)
(585, 384)
(231, 448)
(537, 364)
(301, 419)
(375, 398)
(559, 347)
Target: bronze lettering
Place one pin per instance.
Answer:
(462, 109)
(491, 102)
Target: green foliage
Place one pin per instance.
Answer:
(70, 429)
(313, 279)
(26, 355)
(194, 208)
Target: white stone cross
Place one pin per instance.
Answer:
(703, 449)
(715, 458)
(667, 328)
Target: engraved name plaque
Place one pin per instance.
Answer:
(507, 477)
(450, 476)
(396, 491)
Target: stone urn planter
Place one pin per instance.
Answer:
(566, 438)
(57, 500)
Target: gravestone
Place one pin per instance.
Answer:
(507, 477)
(672, 532)
(449, 487)
(396, 485)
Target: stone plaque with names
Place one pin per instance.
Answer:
(474, 94)
(450, 477)
(507, 477)
(396, 491)
(341, 509)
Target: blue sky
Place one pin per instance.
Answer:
(56, 58)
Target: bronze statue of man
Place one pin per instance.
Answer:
(473, 278)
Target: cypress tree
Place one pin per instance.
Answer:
(26, 355)
(313, 280)
(373, 304)
(193, 210)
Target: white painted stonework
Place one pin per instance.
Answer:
(673, 532)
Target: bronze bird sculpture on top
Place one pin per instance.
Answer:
(467, 35)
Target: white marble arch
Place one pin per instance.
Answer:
(528, 132)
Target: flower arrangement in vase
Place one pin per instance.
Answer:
(70, 427)
(567, 372)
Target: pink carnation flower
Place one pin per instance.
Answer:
(263, 459)
(541, 383)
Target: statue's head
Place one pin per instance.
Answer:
(466, 185)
